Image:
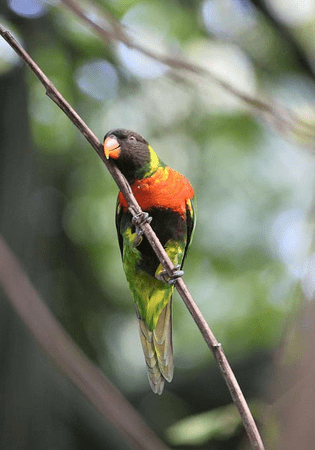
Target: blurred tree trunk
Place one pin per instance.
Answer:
(39, 408)
(290, 423)
(26, 421)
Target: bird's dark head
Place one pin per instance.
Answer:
(132, 154)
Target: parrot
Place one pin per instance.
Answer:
(167, 198)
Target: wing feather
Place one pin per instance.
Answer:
(158, 349)
(118, 218)
(191, 224)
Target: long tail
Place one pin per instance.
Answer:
(158, 349)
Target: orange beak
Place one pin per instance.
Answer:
(111, 148)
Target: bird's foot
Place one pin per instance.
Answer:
(165, 278)
(140, 219)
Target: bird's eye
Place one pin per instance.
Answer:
(132, 138)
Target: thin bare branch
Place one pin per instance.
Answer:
(282, 118)
(123, 185)
(63, 351)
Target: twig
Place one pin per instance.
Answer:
(123, 185)
(282, 118)
(62, 350)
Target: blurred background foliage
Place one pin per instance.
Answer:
(250, 265)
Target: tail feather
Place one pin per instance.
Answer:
(158, 349)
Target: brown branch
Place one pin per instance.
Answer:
(282, 118)
(207, 334)
(63, 351)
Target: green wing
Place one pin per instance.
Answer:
(191, 216)
(118, 218)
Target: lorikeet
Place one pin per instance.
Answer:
(167, 197)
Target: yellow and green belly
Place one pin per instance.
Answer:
(150, 294)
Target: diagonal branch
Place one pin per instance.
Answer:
(62, 350)
(282, 118)
(123, 185)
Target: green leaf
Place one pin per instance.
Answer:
(219, 423)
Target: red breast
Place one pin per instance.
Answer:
(166, 189)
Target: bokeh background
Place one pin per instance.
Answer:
(250, 267)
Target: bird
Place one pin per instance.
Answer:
(167, 199)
